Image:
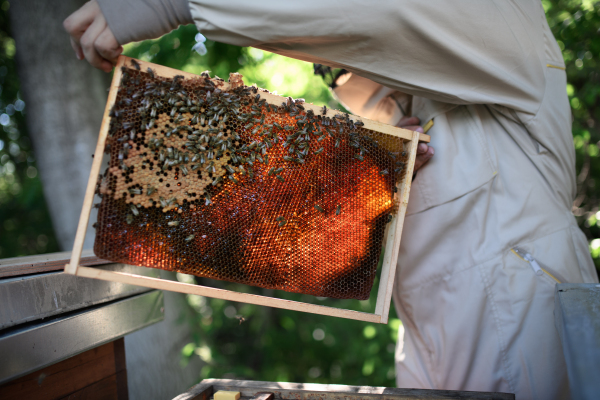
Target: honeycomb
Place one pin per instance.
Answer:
(207, 177)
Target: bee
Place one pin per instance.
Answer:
(282, 223)
(280, 218)
(280, 178)
(208, 199)
(173, 223)
(319, 151)
(135, 64)
(217, 180)
(384, 172)
(150, 190)
(97, 205)
(319, 208)
(324, 110)
(135, 191)
(403, 154)
(358, 123)
(190, 238)
(240, 318)
(184, 170)
(134, 210)
(129, 219)
(150, 72)
(338, 209)
(359, 157)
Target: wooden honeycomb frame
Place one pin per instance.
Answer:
(392, 239)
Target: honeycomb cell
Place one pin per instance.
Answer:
(210, 179)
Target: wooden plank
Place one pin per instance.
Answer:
(164, 284)
(69, 376)
(88, 201)
(201, 391)
(299, 391)
(577, 320)
(121, 368)
(263, 396)
(384, 295)
(18, 266)
(107, 388)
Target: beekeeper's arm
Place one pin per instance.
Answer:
(473, 51)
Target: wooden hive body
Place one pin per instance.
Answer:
(240, 184)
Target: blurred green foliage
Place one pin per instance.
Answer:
(576, 26)
(245, 341)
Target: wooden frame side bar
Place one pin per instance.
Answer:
(384, 295)
(164, 284)
(86, 210)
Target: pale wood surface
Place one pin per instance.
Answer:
(45, 263)
(311, 391)
(173, 286)
(384, 296)
(96, 165)
(392, 239)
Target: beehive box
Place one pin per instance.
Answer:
(257, 390)
(225, 181)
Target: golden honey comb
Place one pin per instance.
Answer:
(209, 178)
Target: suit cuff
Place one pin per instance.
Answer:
(135, 20)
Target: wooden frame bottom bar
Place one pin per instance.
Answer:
(163, 284)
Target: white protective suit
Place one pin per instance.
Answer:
(490, 74)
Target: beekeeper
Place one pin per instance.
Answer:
(489, 229)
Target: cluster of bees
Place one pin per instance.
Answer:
(183, 148)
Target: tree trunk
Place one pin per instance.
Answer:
(65, 100)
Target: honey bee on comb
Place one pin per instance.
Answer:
(225, 181)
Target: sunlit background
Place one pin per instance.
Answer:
(272, 344)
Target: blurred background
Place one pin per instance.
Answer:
(50, 110)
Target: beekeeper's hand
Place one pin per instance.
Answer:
(424, 152)
(91, 37)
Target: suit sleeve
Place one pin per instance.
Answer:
(468, 52)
